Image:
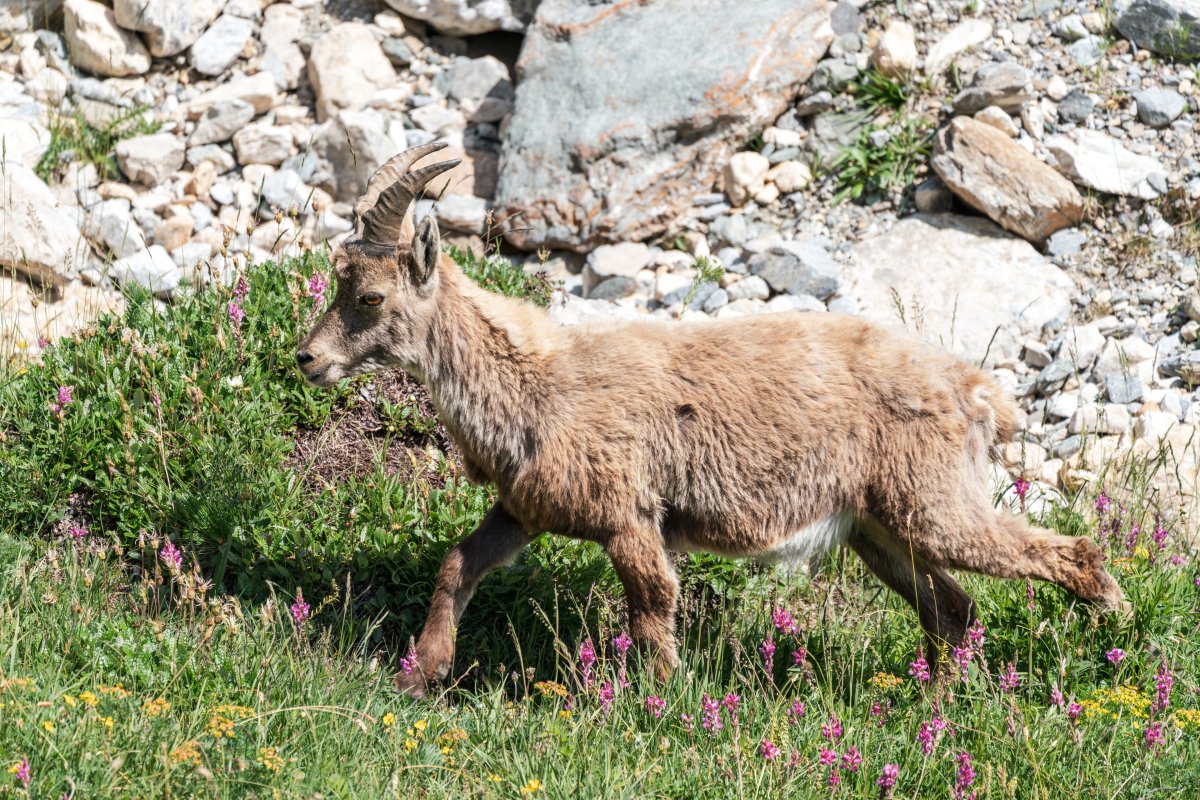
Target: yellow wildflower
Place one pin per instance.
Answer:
(564, 713)
(116, 691)
(531, 786)
(70, 700)
(447, 750)
(155, 707)
(89, 699)
(236, 712)
(410, 745)
(108, 723)
(48, 725)
(269, 759)
(885, 682)
(186, 753)
(389, 719)
(548, 688)
(219, 726)
(1186, 719)
(494, 778)
(421, 725)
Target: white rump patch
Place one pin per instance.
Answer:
(804, 547)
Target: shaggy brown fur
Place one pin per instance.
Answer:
(738, 437)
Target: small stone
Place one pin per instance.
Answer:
(752, 287)
(398, 52)
(221, 121)
(262, 144)
(221, 194)
(932, 196)
(1054, 375)
(814, 104)
(1111, 418)
(481, 87)
(174, 233)
(798, 268)
(1076, 107)
(961, 37)
(463, 213)
(613, 288)
(150, 159)
(111, 224)
(221, 45)
(1081, 344)
(1088, 51)
(895, 54)
(999, 83)
(1070, 28)
(1158, 108)
(1123, 389)
(999, 119)
(843, 305)
(717, 300)
(744, 176)
(782, 138)
(215, 155)
(1066, 242)
(833, 75)
(1096, 160)
(152, 268)
(790, 176)
(1036, 355)
(1056, 88)
(1154, 425)
(625, 259)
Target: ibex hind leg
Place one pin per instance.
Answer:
(944, 610)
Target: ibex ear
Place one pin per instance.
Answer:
(426, 245)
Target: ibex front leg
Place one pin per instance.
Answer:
(651, 590)
(497, 540)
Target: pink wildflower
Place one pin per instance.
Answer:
(242, 290)
(919, 669)
(24, 773)
(767, 648)
(587, 658)
(1163, 682)
(316, 288)
(1073, 711)
(851, 759)
(832, 730)
(1153, 735)
(1029, 594)
(799, 654)
(301, 610)
(409, 664)
(43, 341)
(236, 314)
(622, 643)
(171, 555)
(607, 696)
(887, 778)
(795, 713)
(731, 702)
(828, 757)
(1056, 697)
(966, 777)
(783, 620)
(689, 722)
(656, 705)
(63, 399)
(768, 750)
(880, 711)
(1009, 679)
(710, 715)
(1116, 656)
(78, 531)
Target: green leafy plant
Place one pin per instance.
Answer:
(866, 168)
(73, 138)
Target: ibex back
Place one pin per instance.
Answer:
(795, 432)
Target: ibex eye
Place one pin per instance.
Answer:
(372, 298)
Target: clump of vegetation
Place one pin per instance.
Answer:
(74, 139)
(192, 606)
(889, 151)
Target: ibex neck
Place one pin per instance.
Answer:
(485, 357)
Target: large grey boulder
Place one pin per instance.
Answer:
(1171, 27)
(98, 45)
(916, 276)
(168, 26)
(468, 17)
(216, 50)
(625, 112)
(38, 238)
(345, 151)
(346, 67)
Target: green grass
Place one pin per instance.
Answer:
(212, 649)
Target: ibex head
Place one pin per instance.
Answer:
(386, 276)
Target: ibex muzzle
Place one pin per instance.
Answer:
(746, 437)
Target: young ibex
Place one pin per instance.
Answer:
(740, 437)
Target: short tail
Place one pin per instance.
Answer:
(993, 409)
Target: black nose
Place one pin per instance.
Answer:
(303, 358)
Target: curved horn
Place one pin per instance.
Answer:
(383, 209)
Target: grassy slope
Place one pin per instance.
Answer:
(310, 706)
